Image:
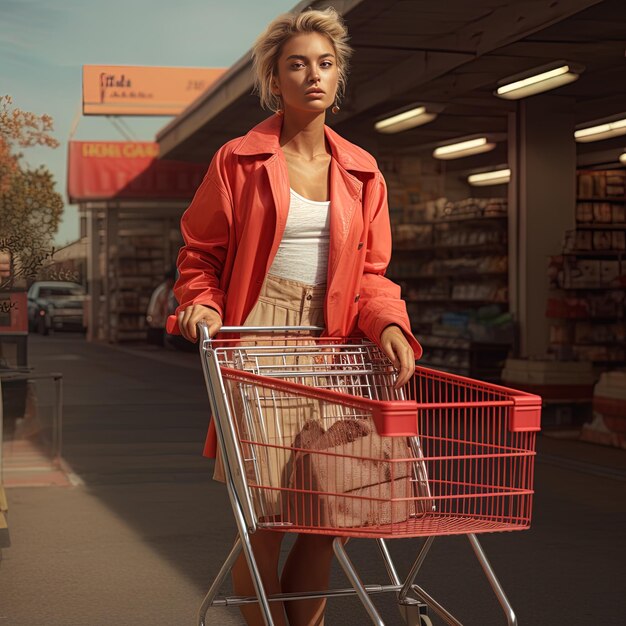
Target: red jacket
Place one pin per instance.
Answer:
(235, 223)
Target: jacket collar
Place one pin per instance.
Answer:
(264, 139)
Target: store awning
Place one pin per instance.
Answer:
(451, 53)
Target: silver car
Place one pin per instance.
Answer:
(54, 305)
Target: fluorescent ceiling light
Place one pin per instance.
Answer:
(544, 81)
(495, 177)
(404, 121)
(602, 131)
(622, 158)
(463, 148)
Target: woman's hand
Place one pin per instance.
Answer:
(189, 318)
(397, 348)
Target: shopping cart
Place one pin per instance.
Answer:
(443, 455)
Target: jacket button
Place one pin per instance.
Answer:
(360, 245)
(356, 298)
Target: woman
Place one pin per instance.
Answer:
(290, 226)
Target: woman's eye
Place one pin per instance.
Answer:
(297, 66)
(326, 64)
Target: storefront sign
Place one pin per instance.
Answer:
(134, 90)
(104, 170)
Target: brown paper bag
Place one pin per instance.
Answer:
(346, 477)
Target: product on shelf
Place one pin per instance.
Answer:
(553, 380)
(609, 411)
(590, 276)
(136, 267)
(451, 259)
(602, 184)
(572, 272)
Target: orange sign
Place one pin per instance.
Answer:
(134, 90)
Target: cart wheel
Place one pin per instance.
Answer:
(413, 616)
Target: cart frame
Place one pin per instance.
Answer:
(412, 599)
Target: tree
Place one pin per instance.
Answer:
(30, 208)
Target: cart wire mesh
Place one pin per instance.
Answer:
(325, 447)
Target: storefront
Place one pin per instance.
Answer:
(531, 264)
(132, 203)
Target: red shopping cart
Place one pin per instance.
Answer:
(314, 439)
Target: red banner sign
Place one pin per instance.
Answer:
(105, 170)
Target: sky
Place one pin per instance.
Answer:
(45, 43)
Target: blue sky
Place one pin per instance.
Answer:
(44, 44)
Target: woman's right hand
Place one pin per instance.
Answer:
(189, 318)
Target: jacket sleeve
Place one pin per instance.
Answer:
(380, 302)
(206, 227)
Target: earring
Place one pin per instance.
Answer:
(279, 110)
(335, 109)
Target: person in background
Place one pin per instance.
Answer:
(291, 227)
(158, 310)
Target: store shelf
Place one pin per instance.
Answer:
(445, 343)
(136, 268)
(599, 226)
(588, 253)
(463, 276)
(454, 300)
(610, 199)
(594, 288)
(590, 281)
(444, 247)
(126, 257)
(589, 318)
(453, 369)
(446, 250)
(461, 220)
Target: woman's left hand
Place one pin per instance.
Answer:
(397, 348)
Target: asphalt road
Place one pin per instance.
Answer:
(138, 542)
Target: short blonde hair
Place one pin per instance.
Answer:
(268, 46)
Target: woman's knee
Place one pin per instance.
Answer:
(316, 543)
(266, 542)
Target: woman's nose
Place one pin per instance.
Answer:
(315, 75)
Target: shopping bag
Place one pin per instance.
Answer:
(349, 476)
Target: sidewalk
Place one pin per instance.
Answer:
(139, 538)
(137, 541)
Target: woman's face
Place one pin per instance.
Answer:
(307, 73)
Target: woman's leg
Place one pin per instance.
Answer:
(307, 569)
(266, 549)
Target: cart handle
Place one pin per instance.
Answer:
(203, 330)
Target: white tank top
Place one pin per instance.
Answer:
(303, 251)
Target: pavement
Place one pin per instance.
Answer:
(136, 530)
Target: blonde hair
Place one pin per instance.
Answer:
(268, 46)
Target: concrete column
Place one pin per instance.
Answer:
(94, 278)
(110, 265)
(542, 199)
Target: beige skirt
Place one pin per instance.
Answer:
(282, 302)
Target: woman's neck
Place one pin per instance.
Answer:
(303, 134)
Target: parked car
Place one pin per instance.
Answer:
(54, 305)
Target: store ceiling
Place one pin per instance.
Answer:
(452, 53)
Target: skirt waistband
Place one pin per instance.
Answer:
(292, 293)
